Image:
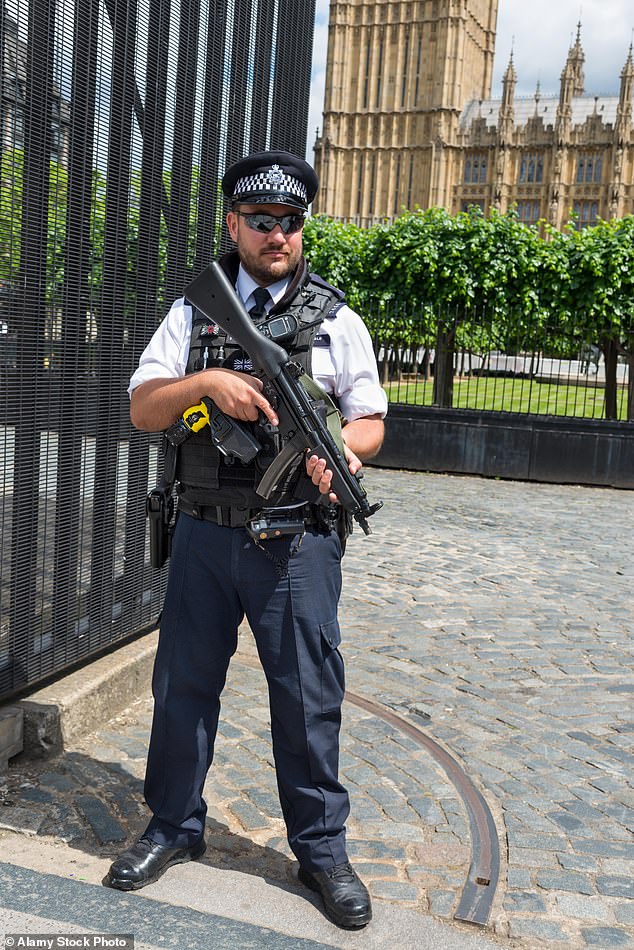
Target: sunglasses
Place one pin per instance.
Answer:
(289, 223)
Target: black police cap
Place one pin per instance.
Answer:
(271, 178)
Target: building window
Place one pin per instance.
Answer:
(405, 71)
(397, 186)
(528, 211)
(475, 169)
(366, 81)
(379, 70)
(587, 213)
(360, 185)
(18, 141)
(531, 169)
(418, 58)
(56, 139)
(589, 169)
(372, 183)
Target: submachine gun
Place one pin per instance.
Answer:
(301, 426)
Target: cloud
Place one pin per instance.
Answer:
(540, 33)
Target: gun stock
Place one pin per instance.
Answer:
(211, 293)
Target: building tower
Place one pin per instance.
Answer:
(506, 127)
(623, 156)
(398, 76)
(572, 84)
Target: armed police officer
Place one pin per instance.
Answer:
(287, 587)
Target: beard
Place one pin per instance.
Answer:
(266, 271)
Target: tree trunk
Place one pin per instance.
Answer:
(534, 366)
(397, 368)
(424, 366)
(443, 367)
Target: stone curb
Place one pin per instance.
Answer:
(11, 736)
(84, 700)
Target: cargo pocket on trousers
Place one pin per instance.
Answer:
(333, 683)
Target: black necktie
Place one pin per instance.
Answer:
(261, 297)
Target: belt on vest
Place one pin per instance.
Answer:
(227, 517)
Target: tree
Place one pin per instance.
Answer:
(338, 252)
(11, 166)
(460, 268)
(597, 294)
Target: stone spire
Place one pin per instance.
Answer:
(624, 111)
(506, 118)
(508, 83)
(622, 133)
(572, 84)
(576, 59)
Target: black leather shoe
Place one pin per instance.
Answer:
(345, 897)
(145, 861)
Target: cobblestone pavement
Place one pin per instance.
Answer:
(497, 615)
(506, 614)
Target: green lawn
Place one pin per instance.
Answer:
(504, 394)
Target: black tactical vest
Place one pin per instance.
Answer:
(204, 476)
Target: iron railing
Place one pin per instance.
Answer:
(118, 119)
(505, 362)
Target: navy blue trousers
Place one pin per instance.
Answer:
(217, 576)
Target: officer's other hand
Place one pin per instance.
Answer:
(322, 476)
(239, 395)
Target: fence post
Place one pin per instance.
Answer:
(75, 307)
(29, 316)
(111, 394)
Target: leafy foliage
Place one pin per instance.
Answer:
(427, 280)
(429, 275)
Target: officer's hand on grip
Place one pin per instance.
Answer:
(322, 476)
(239, 395)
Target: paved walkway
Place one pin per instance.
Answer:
(498, 616)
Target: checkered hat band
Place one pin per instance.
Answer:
(261, 183)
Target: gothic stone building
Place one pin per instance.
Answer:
(409, 121)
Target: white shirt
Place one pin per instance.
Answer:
(346, 368)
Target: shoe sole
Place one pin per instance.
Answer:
(349, 921)
(122, 884)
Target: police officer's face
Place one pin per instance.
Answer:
(267, 256)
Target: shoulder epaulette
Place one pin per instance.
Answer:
(316, 279)
(339, 300)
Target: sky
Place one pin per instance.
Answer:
(540, 33)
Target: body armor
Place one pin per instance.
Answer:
(204, 476)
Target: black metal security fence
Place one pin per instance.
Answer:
(118, 118)
(504, 362)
